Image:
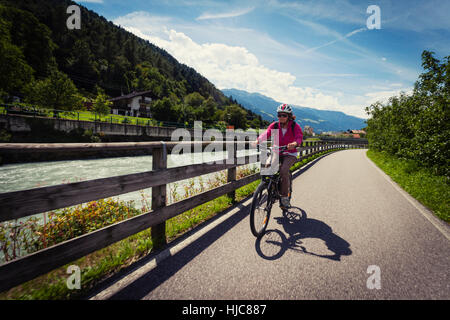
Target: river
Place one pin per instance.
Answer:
(15, 177)
(25, 176)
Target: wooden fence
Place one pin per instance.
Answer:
(20, 204)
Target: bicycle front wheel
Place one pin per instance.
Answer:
(260, 210)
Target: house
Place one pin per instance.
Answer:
(357, 131)
(135, 104)
(308, 131)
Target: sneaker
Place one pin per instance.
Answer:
(284, 202)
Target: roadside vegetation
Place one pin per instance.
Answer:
(409, 136)
(422, 183)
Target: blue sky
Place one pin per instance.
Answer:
(317, 54)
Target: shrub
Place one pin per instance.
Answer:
(417, 126)
(18, 238)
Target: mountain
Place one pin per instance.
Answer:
(319, 120)
(35, 41)
(100, 53)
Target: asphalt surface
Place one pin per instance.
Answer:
(348, 221)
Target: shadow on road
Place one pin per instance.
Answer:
(166, 268)
(274, 243)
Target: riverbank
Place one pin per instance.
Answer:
(34, 129)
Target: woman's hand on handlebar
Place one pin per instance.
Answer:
(292, 145)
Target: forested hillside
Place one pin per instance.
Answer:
(36, 44)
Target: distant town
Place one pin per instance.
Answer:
(309, 131)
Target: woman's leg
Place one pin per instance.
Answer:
(286, 164)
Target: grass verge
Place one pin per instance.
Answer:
(99, 265)
(429, 189)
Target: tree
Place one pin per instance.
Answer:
(32, 37)
(194, 99)
(14, 69)
(417, 126)
(82, 61)
(236, 116)
(101, 105)
(208, 109)
(163, 110)
(56, 92)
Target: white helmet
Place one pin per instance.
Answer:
(284, 108)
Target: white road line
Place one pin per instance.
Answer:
(429, 215)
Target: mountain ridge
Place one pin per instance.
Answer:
(319, 120)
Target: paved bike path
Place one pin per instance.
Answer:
(348, 217)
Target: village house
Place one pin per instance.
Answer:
(308, 131)
(356, 133)
(135, 104)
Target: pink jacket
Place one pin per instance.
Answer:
(289, 137)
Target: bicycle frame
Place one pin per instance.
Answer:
(259, 215)
(272, 180)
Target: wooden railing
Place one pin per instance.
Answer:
(20, 204)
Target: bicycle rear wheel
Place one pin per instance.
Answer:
(260, 210)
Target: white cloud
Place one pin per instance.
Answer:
(383, 96)
(232, 66)
(231, 14)
(335, 75)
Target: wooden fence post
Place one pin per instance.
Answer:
(231, 172)
(158, 232)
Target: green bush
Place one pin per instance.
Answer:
(23, 237)
(431, 190)
(417, 126)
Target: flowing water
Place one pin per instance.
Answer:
(15, 177)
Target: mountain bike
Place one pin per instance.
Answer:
(267, 193)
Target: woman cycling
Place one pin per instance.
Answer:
(289, 134)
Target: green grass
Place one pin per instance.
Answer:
(107, 261)
(91, 116)
(110, 118)
(431, 190)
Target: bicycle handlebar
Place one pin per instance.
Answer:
(281, 148)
